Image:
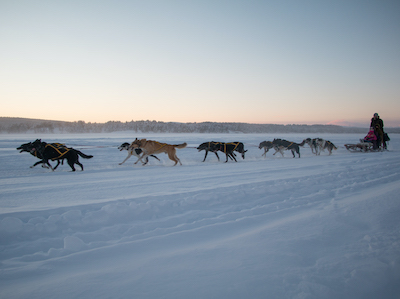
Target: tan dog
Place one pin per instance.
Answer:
(150, 147)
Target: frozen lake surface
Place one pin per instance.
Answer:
(275, 227)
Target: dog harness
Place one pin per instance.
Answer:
(161, 145)
(212, 142)
(34, 152)
(140, 145)
(58, 147)
(236, 145)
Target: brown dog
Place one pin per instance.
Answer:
(150, 147)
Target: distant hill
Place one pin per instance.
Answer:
(31, 121)
(28, 125)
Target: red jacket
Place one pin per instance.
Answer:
(370, 136)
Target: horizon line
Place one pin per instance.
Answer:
(331, 123)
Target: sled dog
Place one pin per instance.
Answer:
(51, 151)
(314, 144)
(210, 146)
(229, 148)
(282, 144)
(267, 145)
(133, 152)
(27, 147)
(325, 144)
(318, 144)
(150, 147)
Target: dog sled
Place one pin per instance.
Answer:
(367, 146)
(363, 146)
(360, 147)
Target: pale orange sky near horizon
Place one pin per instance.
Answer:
(194, 61)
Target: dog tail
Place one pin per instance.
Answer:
(83, 155)
(183, 145)
(333, 146)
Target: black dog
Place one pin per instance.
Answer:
(229, 148)
(282, 144)
(210, 146)
(27, 147)
(48, 151)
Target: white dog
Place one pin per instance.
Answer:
(325, 144)
(318, 144)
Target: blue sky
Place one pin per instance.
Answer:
(191, 61)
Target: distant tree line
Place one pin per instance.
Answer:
(144, 126)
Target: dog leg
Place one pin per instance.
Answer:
(80, 164)
(232, 157)
(172, 156)
(58, 163)
(280, 150)
(72, 166)
(129, 155)
(51, 167)
(205, 156)
(176, 157)
(216, 155)
(140, 158)
(39, 163)
(154, 157)
(147, 161)
(176, 160)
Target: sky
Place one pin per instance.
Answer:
(282, 62)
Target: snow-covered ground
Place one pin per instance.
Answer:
(275, 227)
